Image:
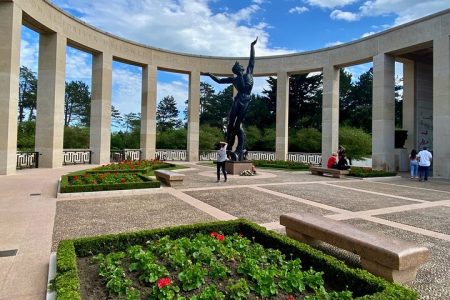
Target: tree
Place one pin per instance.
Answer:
(259, 113)
(357, 143)
(76, 137)
(167, 114)
(305, 140)
(116, 117)
(399, 103)
(77, 104)
(132, 121)
(26, 135)
(27, 93)
(356, 107)
(305, 100)
(209, 137)
(171, 139)
(215, 107)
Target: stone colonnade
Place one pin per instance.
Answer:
(57, 30)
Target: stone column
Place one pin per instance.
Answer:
(409, 104)
(330, 112)
(148, 112)
(50, 100)
(10, 26)
(441, 107)
(193, 116)
(282, 118)
(100, 137)
(383, 113)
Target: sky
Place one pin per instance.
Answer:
(223, 28)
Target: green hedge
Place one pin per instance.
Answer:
(339, 276)
(369, 172)
(280, 164)
(66, 188)
(66, 282)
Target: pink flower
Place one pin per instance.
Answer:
(213, 234)
(220, 237)
(162, 282)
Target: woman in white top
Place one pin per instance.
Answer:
(221, 158)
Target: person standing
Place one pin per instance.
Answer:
(413, 163)
(425, 158)
(221, 158)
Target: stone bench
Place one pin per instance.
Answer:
(169, 178)
(333, 172)
(387, 257)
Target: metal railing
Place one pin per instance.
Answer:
(125, 154)
(84, 156)
(77, 156)
(27, 159)
(167, 154)
(307, 158)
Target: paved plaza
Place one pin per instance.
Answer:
(33, 220)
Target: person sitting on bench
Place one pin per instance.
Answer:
(332, 161)
(342, 163)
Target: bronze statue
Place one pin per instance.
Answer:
(243, 83)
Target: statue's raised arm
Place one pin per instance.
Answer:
(217, 79)
(251, 61)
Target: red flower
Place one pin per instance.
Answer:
(213, 234)
(162, 282)
(220, 237)
(290, 297)
(75, 177)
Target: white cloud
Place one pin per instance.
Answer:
(329, 3)
(179, 25)
(126, 90)
(298, 10)
(406, 10)
(331, 44)
(368, 34)
(78, 65)
(29, 54)
(259, 84)
(358, 70)
(344, 15)
(178, 89)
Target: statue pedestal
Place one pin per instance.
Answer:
(236, 167)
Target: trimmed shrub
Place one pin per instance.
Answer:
(146, 183)
(369, 172)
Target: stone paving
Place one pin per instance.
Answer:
(33, 220)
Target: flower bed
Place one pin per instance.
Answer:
(243, 261)
(369, 172)
(91, 182)
(280, 164)
(139, 166)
